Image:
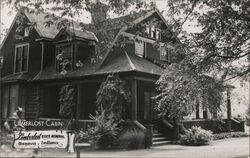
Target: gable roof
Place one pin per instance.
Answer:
(124, 62)
(77, 33)
(40, 24)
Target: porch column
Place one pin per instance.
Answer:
(79, 106)
(134, 100)
(197, 109)
(229, 115)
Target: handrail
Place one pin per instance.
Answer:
(235, 120)
(139, 125)
(166, 123)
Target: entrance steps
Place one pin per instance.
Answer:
(158, 139)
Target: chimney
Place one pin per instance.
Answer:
(98, 12)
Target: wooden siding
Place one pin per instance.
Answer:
(8, 51)
(32, 108)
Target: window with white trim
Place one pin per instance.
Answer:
(26, 32)
(21, 58)
(153, 32)
(165, 54)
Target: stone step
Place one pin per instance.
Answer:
(157, 135)
(157, 139)
(158, 143)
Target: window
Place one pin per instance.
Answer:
(153, 32)
(158, 34)
(165, 54)
(64, 57)
(139, 48)
(21, 58)
(26, 32)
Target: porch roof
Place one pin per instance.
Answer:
(27, 76)
(125, 62)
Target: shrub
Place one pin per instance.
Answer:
(67, 101)
(132, 139)
(103, 134)
(229, 135)
(196, 136)
(113, 96)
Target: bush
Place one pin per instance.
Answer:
(67, 101)
(114, 97)
(103, 134)
(196, 136)
(132, 139)
(229, 135)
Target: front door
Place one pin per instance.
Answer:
(149, 113)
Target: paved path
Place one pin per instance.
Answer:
(226, 148)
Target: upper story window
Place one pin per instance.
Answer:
(165, 54)
(26, 32)
(139, 48)
(21, 58)
(153, 32)
(64, 58)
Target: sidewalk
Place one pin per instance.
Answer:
(226, 148)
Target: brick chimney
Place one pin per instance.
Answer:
(98, 12)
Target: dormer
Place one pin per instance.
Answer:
(151, 33)
(72, 47)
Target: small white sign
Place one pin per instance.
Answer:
(41, 139)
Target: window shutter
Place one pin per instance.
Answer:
(139, 48)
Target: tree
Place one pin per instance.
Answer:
(223, 44)
(113, 97)
(216, 54)
(180, 87)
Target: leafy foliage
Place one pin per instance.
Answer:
(103, 134)
(113, 97)
(132, 139)
(196, 136)
(221, 47)
(229, 135)
(67, 101)
(179, 87)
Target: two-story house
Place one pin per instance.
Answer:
(31, 74)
